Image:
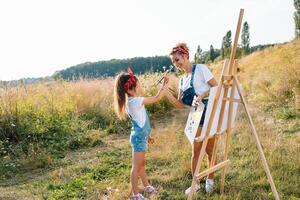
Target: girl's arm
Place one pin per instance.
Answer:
(155, 99)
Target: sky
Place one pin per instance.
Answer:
(39, 37)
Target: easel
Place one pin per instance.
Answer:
(228, 79)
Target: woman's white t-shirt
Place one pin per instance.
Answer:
(136, 109)
(201, 76)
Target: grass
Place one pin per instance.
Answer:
(61, 140)
(104, 170)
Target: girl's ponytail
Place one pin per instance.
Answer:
(120, 94)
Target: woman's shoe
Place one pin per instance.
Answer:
(209, 185)
(187, 191)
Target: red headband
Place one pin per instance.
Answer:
(181, 50)
(130, 81)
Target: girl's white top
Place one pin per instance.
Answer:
(136, 109)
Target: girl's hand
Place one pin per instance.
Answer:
(164, 88)
(166, 79)
(150, 140)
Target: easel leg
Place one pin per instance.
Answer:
(226, 147)
(257, 141)
(214, 153)
(229, 125)
(201, 155)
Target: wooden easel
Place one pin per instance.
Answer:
(228, 79)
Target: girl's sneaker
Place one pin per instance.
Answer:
(138, 197)
(209, 183)
(150, 190)
(187, 191)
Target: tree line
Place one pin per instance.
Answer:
(139, 65)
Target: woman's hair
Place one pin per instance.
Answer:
(180, 49)
(120, 93)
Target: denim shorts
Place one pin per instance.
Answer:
(205, 101)
(139, 143)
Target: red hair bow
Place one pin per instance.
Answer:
(130, 81)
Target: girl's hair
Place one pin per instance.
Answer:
(180, 49)
(120, 93)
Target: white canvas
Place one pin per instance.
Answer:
(224, 126)
(193, 121)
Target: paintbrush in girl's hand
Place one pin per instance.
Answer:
(166, 72)
(163, 77)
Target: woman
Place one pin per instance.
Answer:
(198, 79)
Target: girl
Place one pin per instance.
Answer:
(127, 98)
(196, 81)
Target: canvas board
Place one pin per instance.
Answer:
(195, 114)
(193, 121)
(214, 126)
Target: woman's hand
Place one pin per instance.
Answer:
(198, 100)
(150, 140)
(200, 97)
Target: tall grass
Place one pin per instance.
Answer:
(46, 119)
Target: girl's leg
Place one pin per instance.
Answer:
(137, 162)
(143, 175)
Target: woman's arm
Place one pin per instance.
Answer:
(176, 102)
(212, 83)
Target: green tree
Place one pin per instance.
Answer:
(227, 44)
(197, 57)
(212, 53)
(222, 51)
(245, 39)
(297, 18)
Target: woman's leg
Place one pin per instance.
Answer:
(196, 151)
(137, 162)
(209, 151)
